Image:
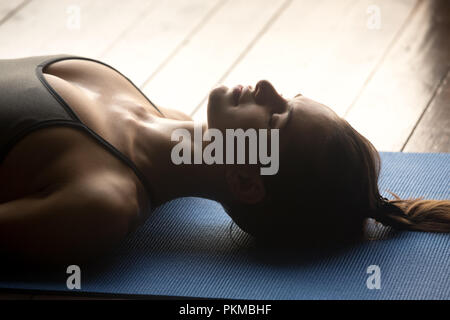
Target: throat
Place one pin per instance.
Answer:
(168, 180)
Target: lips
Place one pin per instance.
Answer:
(237, 91)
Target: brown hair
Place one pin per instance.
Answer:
(416, 214)
(401, 214)
(326, 198)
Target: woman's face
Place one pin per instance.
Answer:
(299, 119)
(303, 124)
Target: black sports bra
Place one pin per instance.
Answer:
(29, 103)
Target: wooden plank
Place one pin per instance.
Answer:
(188, 76)
(432, 133)
(158, 36)
(399, 91)
(285, 39)
(9, 8)
(82, 27)
(323, 49)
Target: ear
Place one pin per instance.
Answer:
(245, 184)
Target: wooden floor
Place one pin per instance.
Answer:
(381, 64)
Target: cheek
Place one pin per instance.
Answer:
(248, 116)
(231, 117)
(255, 117)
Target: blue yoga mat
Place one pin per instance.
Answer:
(189, 248)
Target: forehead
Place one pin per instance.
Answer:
(310, 119)
(307, 106)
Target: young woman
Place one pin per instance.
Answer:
(85, 156)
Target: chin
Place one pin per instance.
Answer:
(216, 104)
(218, 93)
(217, 97)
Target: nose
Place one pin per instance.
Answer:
(265, 93)
(264, 84)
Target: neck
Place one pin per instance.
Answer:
(168, 180)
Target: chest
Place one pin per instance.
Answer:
(103, 100)
(98, 94)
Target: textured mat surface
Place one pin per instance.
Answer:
(189, 248)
